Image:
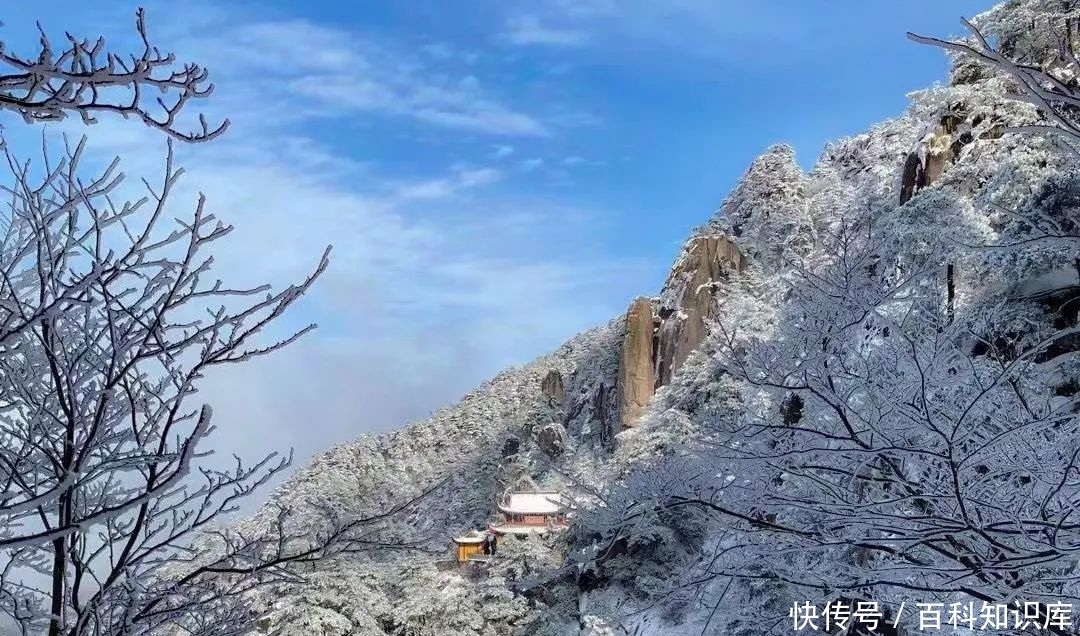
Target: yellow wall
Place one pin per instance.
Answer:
(466, 550)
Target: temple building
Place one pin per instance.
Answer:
(524, 513)
(520, 513)
(474, 546)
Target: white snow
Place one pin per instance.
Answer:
(538, 503)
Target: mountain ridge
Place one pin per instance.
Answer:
(595, 414)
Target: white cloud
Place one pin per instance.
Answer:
(295, 69)
(443, 187)
(422, 300)
(502, 152)
(749, 31)
(532, 164)
(478, 177)
(482, 116)
(427, 293)
(529, 30)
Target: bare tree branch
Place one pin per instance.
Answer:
(87, 80)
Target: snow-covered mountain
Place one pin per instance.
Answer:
(860, 301)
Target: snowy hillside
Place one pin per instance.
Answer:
(858, 384)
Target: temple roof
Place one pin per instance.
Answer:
(536, 503)
(472, 536)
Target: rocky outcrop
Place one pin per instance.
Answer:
(690, 294)
(767, 212)
(912, 179)
(552, 439)
(940, 148)
(660, 334)
(590, 410)
(554, 388)
(636, 381)
(597, 409)
(925, 165)
(938, 154)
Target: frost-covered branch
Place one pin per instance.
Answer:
(109, 317)
(880, 450)
(85, 79)
(1052, 88)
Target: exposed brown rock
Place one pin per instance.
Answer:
(636, 379)
(678, 337)
(912, 179)
(552, 439)
(942, 147)
(924, 167)
(938, 154)
(553, 386)
(692, 287)
(657, 344)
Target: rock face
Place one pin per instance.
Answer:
(690, 290)
(938, 154)
(937, 150)
(912, 180)
(553, 386)
(637, 381)
(552, 439)
(661, 333)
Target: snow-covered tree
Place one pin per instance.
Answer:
(110, 318)
(110, 315)
(883, 449)
(893, 438)
(1034, 49)
(767, 212)
(336, 600)
(434, 603)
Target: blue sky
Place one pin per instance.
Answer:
(494, 176)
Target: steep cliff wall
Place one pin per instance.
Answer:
(637, 379)
(661, 332)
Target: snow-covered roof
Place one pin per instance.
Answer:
(537, 503)
(472, 536)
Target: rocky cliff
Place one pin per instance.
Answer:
(637, 362)
(661, 332)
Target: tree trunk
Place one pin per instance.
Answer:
(950, 290)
